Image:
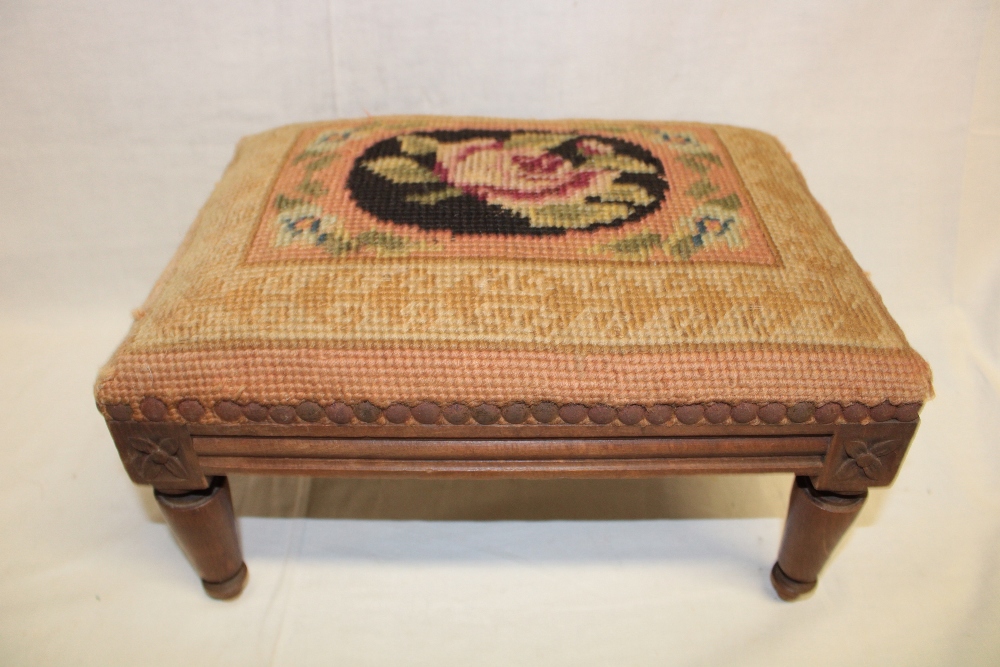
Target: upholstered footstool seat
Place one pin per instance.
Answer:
(467, 297)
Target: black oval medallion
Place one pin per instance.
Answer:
(507, 182)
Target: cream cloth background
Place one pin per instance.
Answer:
(117, 117)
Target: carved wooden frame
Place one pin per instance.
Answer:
(834, 465)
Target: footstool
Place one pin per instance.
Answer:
(471, 297)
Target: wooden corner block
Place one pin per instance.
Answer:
(864, 455)
(158, 454)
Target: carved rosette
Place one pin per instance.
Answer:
(864, 455)
(158, 457)
(158, 454)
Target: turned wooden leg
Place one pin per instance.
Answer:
(816, 522)
(205, 527)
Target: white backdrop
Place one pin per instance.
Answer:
(117, 117)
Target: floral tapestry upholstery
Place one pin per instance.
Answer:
(435, 260)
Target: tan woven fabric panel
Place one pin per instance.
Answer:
(442, 260)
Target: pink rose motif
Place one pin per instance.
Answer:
(521, 175)
(594, 147)
(490, 182)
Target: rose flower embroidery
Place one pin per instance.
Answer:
(507, 182)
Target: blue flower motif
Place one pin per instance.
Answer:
(304, 225)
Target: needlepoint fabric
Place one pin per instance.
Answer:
(435, 259)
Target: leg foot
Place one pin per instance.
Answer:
(787, 588)
(204, 526)
(228, 589)
(816, 522)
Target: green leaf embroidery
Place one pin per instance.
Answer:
(729, 203)
(309, 154)
(630, 193)
(702, 188)
(414, 144)
(683, 248)
(620, 163)
(575, 215)
(336, 245)
(400, 169)
(434, 196)
(710, 157)
(312, 188)
(283, 203)
(320, 163)
(540, 140)
(692, 163)
(700, 162)
(381, 242)
(636, 244)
